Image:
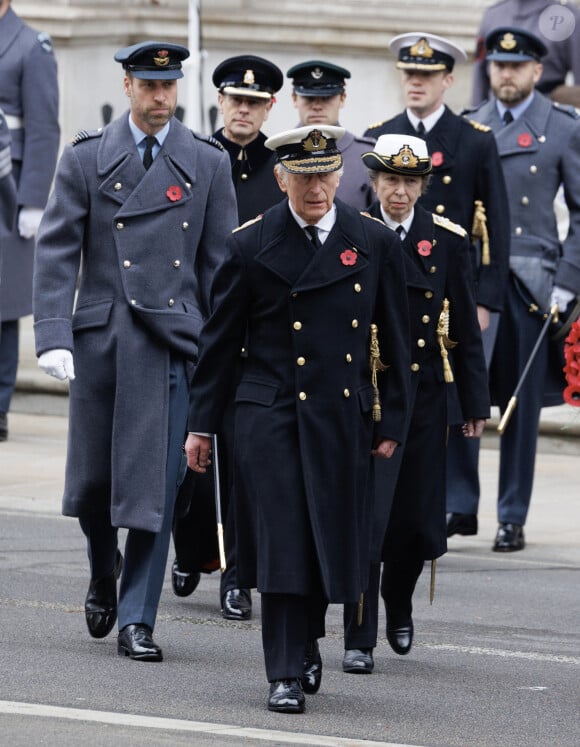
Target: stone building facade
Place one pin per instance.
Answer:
(351, 33)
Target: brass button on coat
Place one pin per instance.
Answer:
(297, 325)
(348, 358)
(120, 226)
(118, 186)
(446, 179)
(300, 361)
(302, 396)
(440, 209)
(425, 319)
(126, 264)
(354, 323)
(185, 225)
(357, 288)
(415, 366)
(428, 294)
(420, 343)
(177, 263)
(346, 393)
(171, 302)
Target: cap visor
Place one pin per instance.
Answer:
(156, 74)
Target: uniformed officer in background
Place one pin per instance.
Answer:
(246, 87)
(307, 279)
(539, 147)
(318, 94)
(562, 42)
(29, 100)
(146, 206)
(439, 281)
(7, 187)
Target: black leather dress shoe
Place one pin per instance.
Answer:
(509, 538)
(237, 604)
(136, 642)
(183, 583)
(286, 696)
(358, 661)
(312, 676)
(465, 524)
(400, 637)
(101, 602)
(3, 426)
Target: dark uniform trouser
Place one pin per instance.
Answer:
(145, 555)
(400, 576)
(289, 622)
(463, 489)
(8, 362)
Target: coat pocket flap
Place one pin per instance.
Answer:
(92, 315)
(259, 392)
(366, 398)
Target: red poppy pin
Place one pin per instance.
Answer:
(524, 140)
(437, 158)
(174, 193)
(348, 257)
(424, 248)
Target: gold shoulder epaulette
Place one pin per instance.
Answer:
(85, 135)
(440, 220)
(376, 124)
(248, 223)
(479, 125)
(372, 217)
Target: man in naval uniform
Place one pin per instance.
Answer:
(146, 206)
(307, 280)
(29, 100)
(539, 147)
(246, 87)
(318, 94)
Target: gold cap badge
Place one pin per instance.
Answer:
(405, 158)
(508, 42)
(249, 78)
(421, 49)
(314, 141)
(162, 58)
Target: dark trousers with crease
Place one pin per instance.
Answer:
(400, 576)
(145, 553)
(289, 623)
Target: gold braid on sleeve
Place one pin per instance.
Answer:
(444, 342)
(376, 365)
(479, 231)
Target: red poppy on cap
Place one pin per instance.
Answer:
(348, 257)
(525, 140)
(424, 247)
(174, 193)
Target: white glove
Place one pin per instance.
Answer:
(562, 297)
(58, 363)
(28, 221)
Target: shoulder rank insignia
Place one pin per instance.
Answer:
(372, 217)
(479, 125)
(376, 124)
(248, 223)
(208, 139)
(439, 220)
(571, 111)
(45, 41)
(86, 135)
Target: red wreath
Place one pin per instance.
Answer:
(174, 193)
(437, 158)
(348, 257)
(525, 140)
(424, 248)
(571, 393)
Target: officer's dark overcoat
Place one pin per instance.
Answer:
(29, 98)
(438, 267)
(355, 186)
(149, 242)
(253, 175)
(304, 428)
(466, 168)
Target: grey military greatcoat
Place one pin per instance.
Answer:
(29, 99)
(149, 244)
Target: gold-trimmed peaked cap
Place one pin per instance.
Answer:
(399, 154)
(309, 149)
(154, 60)
(509, 44)
(418, 50)
(248, 75)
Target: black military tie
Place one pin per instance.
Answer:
(150, 141)
(312, 231)
(399, 229)
(421, 129)
(507, 117)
